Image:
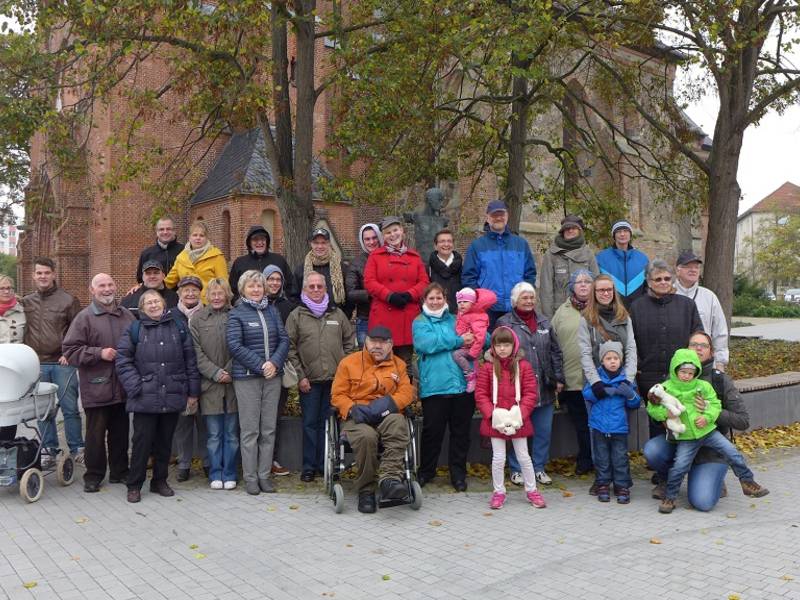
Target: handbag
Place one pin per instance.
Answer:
(506, 420)
(289, 378)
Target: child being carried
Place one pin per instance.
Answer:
(472, 317)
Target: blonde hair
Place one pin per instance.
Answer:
(201, 225)
(149, 293)
(223, 285)
(4, 278)
(251, 275)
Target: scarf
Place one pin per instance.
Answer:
(189, 312)
(572, 244)
(434, 313)
(399, 251)
(194, 255)
(529, 318)
(607, 312)
(261, 305)
(334, 262)
(317, 308)
(8, 305)
(579, 305)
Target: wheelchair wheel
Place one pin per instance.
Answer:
(338, 498)
(31, 485)
(416, 493)
(65, 469)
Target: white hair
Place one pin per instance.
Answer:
(523, 287)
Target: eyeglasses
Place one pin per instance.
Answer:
(6, 289)
(316, 287)
(604, 290)
(699, 345)
(665, 279)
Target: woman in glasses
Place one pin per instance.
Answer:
(662, 322)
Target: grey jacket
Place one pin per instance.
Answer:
(208, 329)
(589, 340)
(557, 266)
(317, 344)
(712, 316)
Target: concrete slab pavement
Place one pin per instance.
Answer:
(783, 329)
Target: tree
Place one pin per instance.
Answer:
(8, 266)
(777, 252)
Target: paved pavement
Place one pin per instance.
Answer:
(769, 329)
(205, 544)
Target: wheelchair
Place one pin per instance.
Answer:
(339, 457)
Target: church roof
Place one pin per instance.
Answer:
(786, 200)
(243, 168)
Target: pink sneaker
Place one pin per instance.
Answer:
(472, 378)
(497, 501)
(535, 498)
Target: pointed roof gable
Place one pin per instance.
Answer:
(786, 199)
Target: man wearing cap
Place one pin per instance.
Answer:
(567, 254)
(164, 251)
(624, 263)
(687, 269)
(498, 260)
(152, 279)
(370, 390)
(323, 258)
(258, 257)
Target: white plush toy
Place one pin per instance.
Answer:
(673, 406)
(507, 422)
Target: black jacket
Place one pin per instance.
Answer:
(449, 277)
(324, 270)
(258, 262)
(165, 256)
(131, 301)
(357, 295)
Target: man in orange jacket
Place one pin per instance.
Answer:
(370, 390)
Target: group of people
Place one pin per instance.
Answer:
(196, 352)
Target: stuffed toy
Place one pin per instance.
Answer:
(507, 422)
(673, 406)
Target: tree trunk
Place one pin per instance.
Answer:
(515, 179)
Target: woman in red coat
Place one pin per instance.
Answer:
(395, 278)
(506, 396)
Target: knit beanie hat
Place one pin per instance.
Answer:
(571, 221)
(574, 277)
(611, 346)
(466, 294)
(621, 224)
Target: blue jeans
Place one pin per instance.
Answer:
(687, 450)
(66, 378)
(315, 404)
(705, 479)
(610, 453)
(222, 445)
(539, 444)
(362, 326)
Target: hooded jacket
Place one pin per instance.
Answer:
(733, 414)
(609, 414)
(712, 316)
(498, 261)
(357, 294)
(557, 266)
(282, 304)
(506, 394)
(448, 276)
(476, 320)
(257, 262)
(627, 269)
(685, 392)
(435, 338)
(210, 266)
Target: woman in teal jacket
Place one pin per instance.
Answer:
(442, 388)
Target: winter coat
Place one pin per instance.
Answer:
(257, 262)
(92, 330)
(245, 336)
(435, 338)
(448, 276)
(477, 321)
(589, 340)
(558, 264)
(734, 412)
(160, 371)
(609, 414)
(209, 327)
(685, 392)
(360, 380)
(506, 396)
(282, 304)
(209, 266)
(317, 344)
(542, 350)
(12, 325)
(566, 322)
(131, 301)
(627, 269)
(386, 273)
(357, 294)
(712, 316)
(165, 256)
(48, 316)
(325, 271)
(660, 327)
(498, 261)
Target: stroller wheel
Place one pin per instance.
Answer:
(65, 469)
(338, 500)
(416, 492)
(31, 485)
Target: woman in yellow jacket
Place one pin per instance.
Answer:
(200, 258)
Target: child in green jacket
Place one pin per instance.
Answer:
(701, 429)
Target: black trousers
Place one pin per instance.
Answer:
(576, 409)
(152, 434)
(7, 433)
(441, 412)
(106, 425)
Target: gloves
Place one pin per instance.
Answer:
(599, 390)
(398, 299)
(359, 413)
(374, 412)
(406, 296)
(626, 389)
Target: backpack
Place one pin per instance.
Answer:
(137, 325)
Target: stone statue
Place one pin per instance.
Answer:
(428, 222)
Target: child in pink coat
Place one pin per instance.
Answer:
(472, 317)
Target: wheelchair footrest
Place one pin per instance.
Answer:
(390, 502)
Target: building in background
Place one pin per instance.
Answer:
(8, 240)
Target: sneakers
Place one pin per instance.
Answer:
(497, 501)
(667, 506)
(535, 498)
(229, 485)
(472, 379)
(623, 495)
(216, 484)
(278, 470)
(659, 492)
(79, 457)
(543, 478)
(603, 493)
(516, 478)
(752, 489)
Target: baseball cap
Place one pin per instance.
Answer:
(390, 220)
(152, 264)
(190, 280)
(380, 332)
(320, 231)
(496, 205)
(687, 256)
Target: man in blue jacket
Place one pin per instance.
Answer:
(624, 263)
(498, 260)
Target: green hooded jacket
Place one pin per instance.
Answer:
(685, 392)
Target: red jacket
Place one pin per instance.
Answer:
(476, 320)
(386, 273)
(505, 398)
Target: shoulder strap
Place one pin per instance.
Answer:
(137, 325)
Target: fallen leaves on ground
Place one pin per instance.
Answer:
(29, 585)
(734, 597)
(783, 436)
(82, 520)
(193, 547)
(435, 523)
(199, 555)
(655, 541)
(386, 577)
(787, 578)
(293, 507)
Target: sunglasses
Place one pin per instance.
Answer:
(665, 279)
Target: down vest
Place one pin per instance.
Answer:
(160, 371)
(245, 335)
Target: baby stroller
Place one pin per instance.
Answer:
(24, 399)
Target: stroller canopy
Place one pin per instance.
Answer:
(19, 371)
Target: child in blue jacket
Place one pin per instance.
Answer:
(608, 421)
